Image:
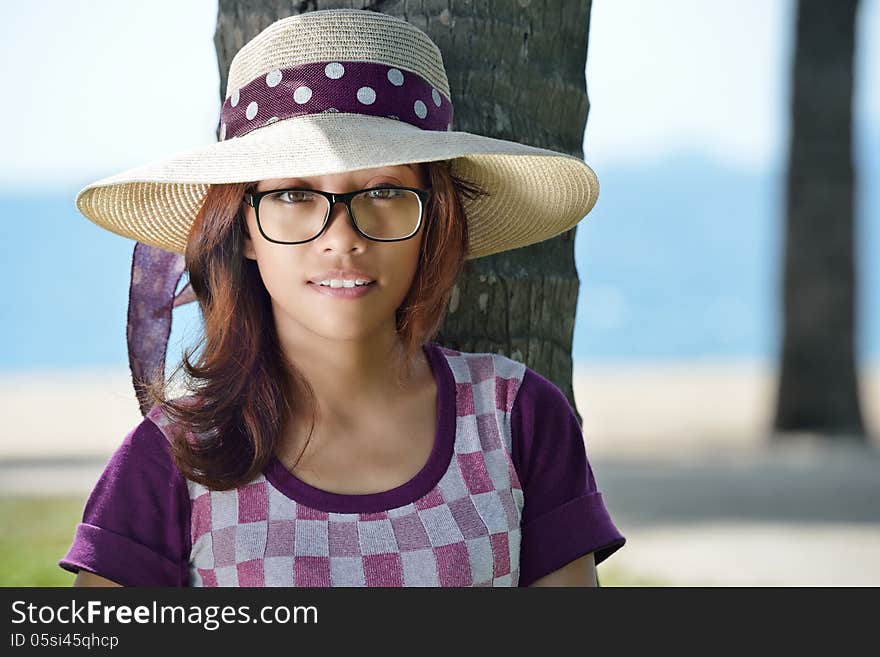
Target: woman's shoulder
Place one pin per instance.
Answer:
(147, 447)
(517, 385)
(476, 356)
(480, 368)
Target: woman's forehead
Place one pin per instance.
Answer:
(359, 175)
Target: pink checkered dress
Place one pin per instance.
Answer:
(458, 522)
(464, 531)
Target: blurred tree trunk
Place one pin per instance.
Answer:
(818, 388)
(516, 71)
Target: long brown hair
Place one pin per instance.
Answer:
(226, 430)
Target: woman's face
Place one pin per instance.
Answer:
(288, 269)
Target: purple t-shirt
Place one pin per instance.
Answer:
(507, 496)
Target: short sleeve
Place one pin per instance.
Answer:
(564, 515)
(135, 524)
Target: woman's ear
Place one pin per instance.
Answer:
(247, 249)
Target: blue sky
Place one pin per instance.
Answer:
(109, 85)
(669, 75)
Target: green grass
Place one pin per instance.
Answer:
(611, 575)
(39, 531)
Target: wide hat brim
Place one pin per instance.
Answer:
(534, 193)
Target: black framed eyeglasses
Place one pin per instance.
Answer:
(385, 213)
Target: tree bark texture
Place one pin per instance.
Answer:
(818, 386)
(516, 72)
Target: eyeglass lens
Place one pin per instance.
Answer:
(296, 216)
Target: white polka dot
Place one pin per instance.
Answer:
(420, 109)
(395, 77)
(273, 78)
(271, 120)
(366, 95)
(222, 131)
(302, 95)
(334, 70)
(234, 99)
(331, 110)
(436, 96)
(251, 110)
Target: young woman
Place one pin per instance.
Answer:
(325, 440)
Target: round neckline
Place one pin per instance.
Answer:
(420, 484)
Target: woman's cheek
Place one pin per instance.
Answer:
(279, 282)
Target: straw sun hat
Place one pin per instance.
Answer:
(319, 93)
(336, 90)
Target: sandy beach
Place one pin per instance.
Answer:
(687, 410)
(64, 414)
(647, 410)
(680, 451)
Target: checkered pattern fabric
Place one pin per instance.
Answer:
(464, 532)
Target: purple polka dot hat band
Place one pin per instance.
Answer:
(347, 86)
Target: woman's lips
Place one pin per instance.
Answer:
(343, 292)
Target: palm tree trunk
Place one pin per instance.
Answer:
(818, 388)
(516, 71)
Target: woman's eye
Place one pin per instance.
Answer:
(384, 193)
(294, 197)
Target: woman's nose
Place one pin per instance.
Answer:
(339, 224)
